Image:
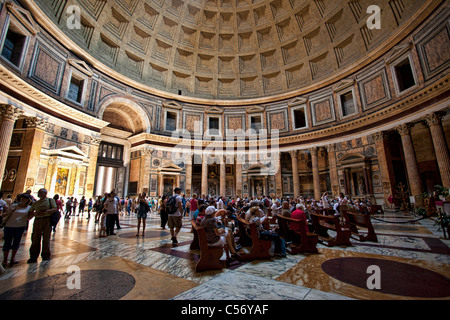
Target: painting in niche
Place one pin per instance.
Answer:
(62, 177)
(10, 174)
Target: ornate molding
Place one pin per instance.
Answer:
(93, 140)
(380, 136)
(36, 123)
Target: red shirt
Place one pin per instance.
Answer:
(193, 205)
(299, 226)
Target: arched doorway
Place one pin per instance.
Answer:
(126, 119)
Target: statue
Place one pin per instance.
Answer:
(259, 190)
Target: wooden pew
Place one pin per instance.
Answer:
(209, 256)
(323, 223)
(326, 212)
(245, 239)
(194, 244)
(308, 241)
(360, 220)
(260, 248)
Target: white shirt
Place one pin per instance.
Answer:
(19, 217)
(111, 205)
(219, 204)
(276, 210)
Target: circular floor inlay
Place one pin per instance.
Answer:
(395, 277)
(93, 285)
(148, 234)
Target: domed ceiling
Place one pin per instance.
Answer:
(232, 49)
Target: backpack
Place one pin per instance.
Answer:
(171, 207)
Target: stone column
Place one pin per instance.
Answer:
(204, 175)
(315, 169)
(8, 116)
(415, 183)
(295, 177)
(240, 158)
(94, 144)
(334, 180)
(31, 154)
(161, 184)
(388, 188)
(223, 176)
(440, 147)
(50, 180)
(188, 184)
(278, 177)
(144, 180)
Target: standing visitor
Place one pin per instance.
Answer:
(175, 214)
(142, 212)
(59, 205)
(15, 221)
(163, 212)
(41, 210)
(111, 206)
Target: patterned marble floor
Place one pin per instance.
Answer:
(413, 261)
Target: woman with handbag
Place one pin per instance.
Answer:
(15, 222)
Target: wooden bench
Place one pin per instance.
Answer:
(323, 223)
(260, 248)
(326, 212)
(245, 239)
(308, 241)
(356, 220)
(209, 256)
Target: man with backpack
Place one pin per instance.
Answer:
(174, 209)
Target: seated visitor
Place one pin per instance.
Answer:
(217, 237)
(200, 214)
(298, 214)
(280, 245)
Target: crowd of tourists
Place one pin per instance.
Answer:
(217, 214)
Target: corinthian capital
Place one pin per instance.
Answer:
(433, 119)
(331, 148)
(404, 129)
(9, 112)
(36, 123)
(313, 150)
(293, 153)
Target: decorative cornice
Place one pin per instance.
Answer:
(10, 80)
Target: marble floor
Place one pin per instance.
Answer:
(411, 259)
